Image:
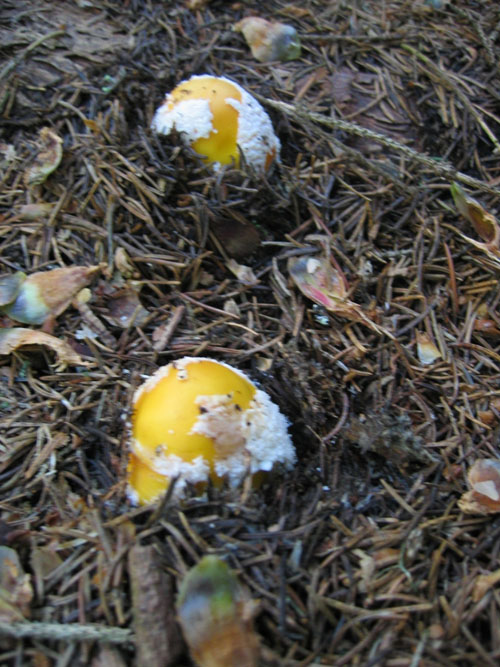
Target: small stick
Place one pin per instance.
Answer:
(439, 167)
(69, 632)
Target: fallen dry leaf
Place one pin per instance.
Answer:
(35, 211)
(125, 308)
(366, 98)
(483, 583)
(269, 40)
(12, 339)
(47, 160)
(427, 350)
(319, 281)
(244, 273)
(32, 299)
(485, 224)
(15, 587)
(237, 236)
(484, 495)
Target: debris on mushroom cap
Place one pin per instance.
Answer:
(198, 418)
(269, 40)
(218, 118)
(215, 613)
(484, 495)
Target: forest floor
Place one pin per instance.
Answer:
(361, 555)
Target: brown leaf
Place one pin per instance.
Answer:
(485, 224)
(45, 294)
(358, 95)
(15, 588)
(48, 158)
(244, 273)
(35, 211)
(12, 339)
(238, 237)
(43, 561)
(426, 348)
(268, 40)
(484, 495)
(483, 583)
(125, 308)
(319, 281)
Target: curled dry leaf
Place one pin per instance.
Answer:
(319, 281)
(48, 158)
(12, 339)
(32, 299)
(125, 308)
(486, 327)
(123, 263)
(483, 583)
(484, 494)
(216, 614)
(269, 41)
(244, 273)
(15, 588)
(426, 349)
(485, 224)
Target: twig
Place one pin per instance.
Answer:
(441, 168)
(71, 632)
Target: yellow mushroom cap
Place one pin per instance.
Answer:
(147, 484)
(198, 418)
(218, 117)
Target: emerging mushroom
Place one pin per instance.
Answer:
(197, 419)
(218, 118)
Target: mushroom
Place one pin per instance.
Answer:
(196, 419)
(218, 118)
